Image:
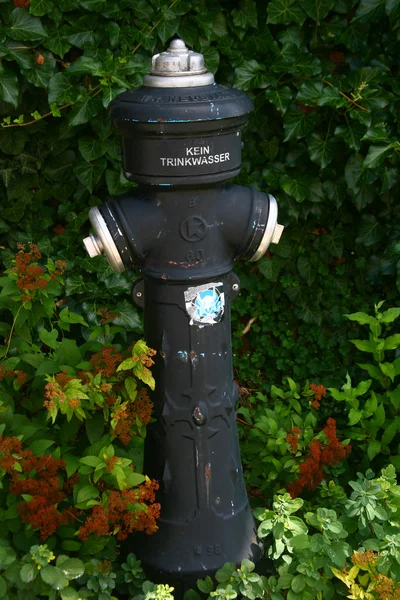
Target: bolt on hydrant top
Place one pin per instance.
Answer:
(176, 62)
(180, 127)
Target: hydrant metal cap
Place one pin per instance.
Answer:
(176, 62)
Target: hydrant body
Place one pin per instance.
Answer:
(183, 227)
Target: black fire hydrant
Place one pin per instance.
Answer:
(182, 228)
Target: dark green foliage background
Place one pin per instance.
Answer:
(323, 75)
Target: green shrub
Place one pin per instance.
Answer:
(323, 139)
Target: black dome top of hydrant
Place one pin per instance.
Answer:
(180, 127)
(180, 105)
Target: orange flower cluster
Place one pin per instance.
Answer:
(106, 361)
(387, 589)
(319, 392)
(53, 391)
(126, 417)
(106, 316)
(363, 559)
(19, 375)
(120, 516)
(320, 456)
(292, 438)
(10, 449)
(63, 378)
(30, 276)
(40, 478)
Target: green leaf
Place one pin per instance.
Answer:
(354, 416)
(225, 572)
(297, 187)
(388, 369)
(390, 315)
(40, 75)
(38, 447)
(3, 587)
(9, 89)
(351, 134)
(297, 124)
(361, 318)
(378, 418)
(90, 461)
(85, 493)
(49, 337)
(89, 174)
(392, 342)
(300, 542)
(28, 573)
(321, 150)
(40, 7)
(298, 583)
(83, 111)
(127, 317)
(167, 28)
(94, 5)
(389, 433)
(72, 567)
(284, 12)
(85, 32)
(205, 585)
(317, 9)
(370, 230)
(23, 26)
(57, 43)
(92, 148)
(306, 269)
(95, 427)
(369, 11)
(376, 154)
(54, 577)
(373, 449)
(364, 345)
(269, 267)
(280, 98)
(250, 75)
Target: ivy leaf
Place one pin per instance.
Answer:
(270, 268)
(306, 270)
(297, 187)
(317, 9)
(127, 317)
(9, 89)
(284, 12)
(167, 28)
(89, 174)
(40, 75)
(297, 124)
(377, 133)
(85, 32)
(310, 92)
(351, 134)
(393, 9)
(83, 111)
(23, 26)
(40, 7)
(370, 231)
(376, 154)
(321, 150)
(92, 148)
(57, 42)
(94, 5)
(369, 11)
(280, 98)
(246, 16)
(250, 75)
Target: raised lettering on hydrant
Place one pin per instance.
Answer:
(182, 228)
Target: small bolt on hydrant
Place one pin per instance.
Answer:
(182, 228)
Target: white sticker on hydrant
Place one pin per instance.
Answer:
(205, 303)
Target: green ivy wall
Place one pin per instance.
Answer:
(323, 76)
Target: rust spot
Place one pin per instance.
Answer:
(208, 471)
(193, 354)
(163, 354)
(163, 277)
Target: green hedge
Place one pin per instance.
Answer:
(323, 139)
